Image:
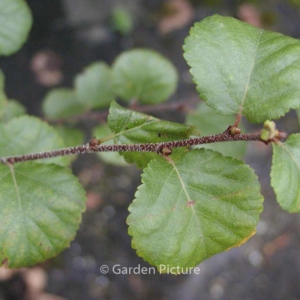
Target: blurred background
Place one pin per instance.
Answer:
(68, 35)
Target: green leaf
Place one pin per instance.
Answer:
(3, 98)
(12, 109)
(209, 122)
(62, 103)
(241, 68)
(71, 137)
(114, 158)
(94, 87)
(187, 211)
(16, 21)
(145, 76)
(285, 173)
(26, 135)
(122, 20)
(2, 81)
(41, 207)
(132, 127)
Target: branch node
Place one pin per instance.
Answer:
(10, 161)
(94, 143)
(270, 134)
(234, 130)
(281, 135)
(164, 150)
(227, 131)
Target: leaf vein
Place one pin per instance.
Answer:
(251, 71)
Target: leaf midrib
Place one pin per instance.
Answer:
(189, 199)
(290, 154)
(250, 72)
(16, 187)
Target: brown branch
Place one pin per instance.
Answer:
(160, 148)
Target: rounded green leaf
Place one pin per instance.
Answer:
(285, 173)
(114, 158)
(41, 207)
(131, 127)
(94, 87)
(24, 135)
(3, 98)
(209, 122)
(16, 21)
(12, 109)
(122, 20)
(2, 81)
(189, 210)
(239, 68)
(71, 137)
(62, 103)
(145, 76)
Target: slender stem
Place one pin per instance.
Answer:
(160, 148)
(238, 120)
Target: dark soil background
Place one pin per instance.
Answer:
(78, 32)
